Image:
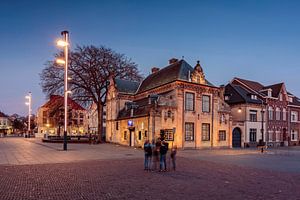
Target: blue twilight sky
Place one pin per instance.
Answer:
(258, 40)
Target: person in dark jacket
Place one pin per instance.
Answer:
(163, 152)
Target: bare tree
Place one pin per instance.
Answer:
(90, 68)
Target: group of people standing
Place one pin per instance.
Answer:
(156, 152)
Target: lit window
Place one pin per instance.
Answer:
(205, 132)
(169, 135)
(222, 135)
(189, 131)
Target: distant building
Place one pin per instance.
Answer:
(176, 101)
(92, 116)
(5, 124)
(275, 98)
(248, 116)
(294, 121)
(50, 117)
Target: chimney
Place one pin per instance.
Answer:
(173, 60)
(154, 70)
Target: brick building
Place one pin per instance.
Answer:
(276, 100)
(50, 117)
(176, 100)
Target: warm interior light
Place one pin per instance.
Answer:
(60, 61)
(69, 78)
(239, 110)
(62, 43)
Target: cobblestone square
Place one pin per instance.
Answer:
(117, 173)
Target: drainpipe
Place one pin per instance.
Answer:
(212, 122)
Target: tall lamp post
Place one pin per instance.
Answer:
(64, 43)
(28, 103)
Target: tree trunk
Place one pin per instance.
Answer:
(100, 121)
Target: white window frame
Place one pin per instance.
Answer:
(294, 116)
(277, 114)
(284, 114)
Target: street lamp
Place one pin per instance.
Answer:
(64, 43)
(28, 103)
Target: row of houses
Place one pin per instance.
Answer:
(180, 103)
(177, 101)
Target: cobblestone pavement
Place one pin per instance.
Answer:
(125, 179)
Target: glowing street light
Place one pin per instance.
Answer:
(60, 61)
(65, 44)
(28, 103)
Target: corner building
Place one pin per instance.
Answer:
(177, 100)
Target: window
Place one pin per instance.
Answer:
(189, 131)
(252, 134)
(205, 103)
(146, 134)
(169, 135)
(189, 101)
(270, 113)
(277, 114)
(294, 116)
(125, 135)
(294, 135)
(253, 116)
(140, 135)
(205, 132)
(284, 114)
(222, 135)
(270, 136)
(253, 96)
(117, 125)
(280, 97)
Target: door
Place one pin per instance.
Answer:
(236, 137)
(131, 138)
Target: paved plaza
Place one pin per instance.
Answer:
(31, 169)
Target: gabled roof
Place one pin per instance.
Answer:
(258, 87)
(179, 70)
(276, 88)
(296, 100)
(57, 101)
(142, 109)
(125, 86)
(252, 84)
(238, 94)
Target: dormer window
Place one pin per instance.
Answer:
(253, 96)
(270, 92)
(226, 97)
(291, 99)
